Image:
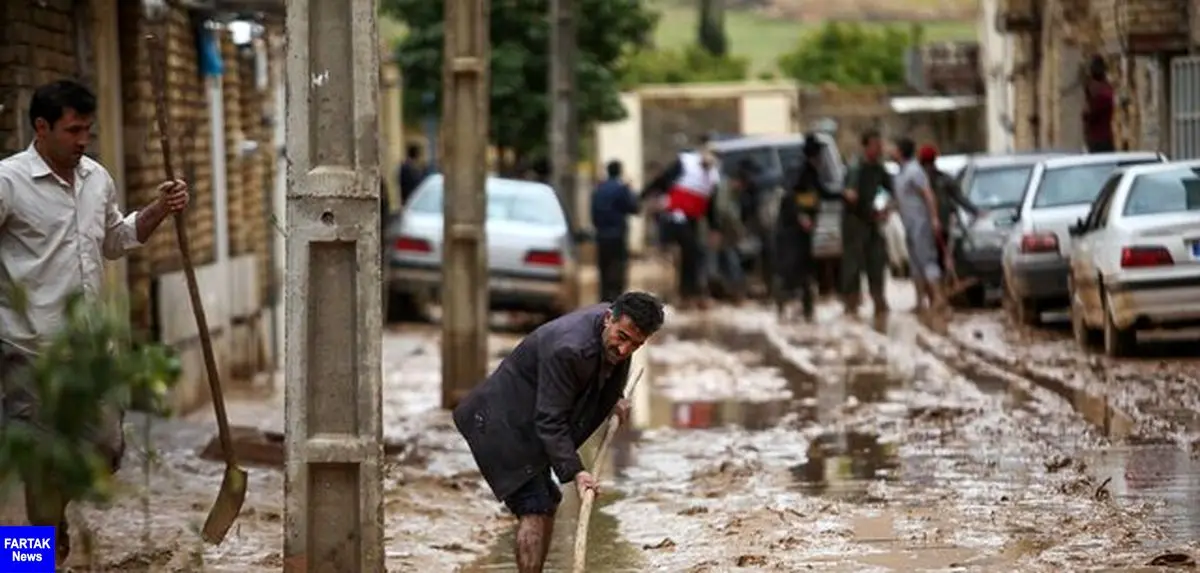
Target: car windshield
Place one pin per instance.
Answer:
(507, 200)
(999, 187)
(1174, 191)
(1076, 184)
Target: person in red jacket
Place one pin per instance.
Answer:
(686, 186)
(1100, 102)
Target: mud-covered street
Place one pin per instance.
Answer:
(850, 445)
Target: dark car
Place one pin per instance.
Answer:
(995, 184)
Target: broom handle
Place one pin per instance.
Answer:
(589, 496)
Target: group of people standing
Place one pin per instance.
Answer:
(689, 196)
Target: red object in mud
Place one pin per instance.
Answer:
(694, 415)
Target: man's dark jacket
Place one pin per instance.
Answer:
(612, 204)
(542, 402)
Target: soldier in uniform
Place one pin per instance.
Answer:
(864, 248)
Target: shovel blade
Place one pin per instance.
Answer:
(227, 507)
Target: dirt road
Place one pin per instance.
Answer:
(844, 446)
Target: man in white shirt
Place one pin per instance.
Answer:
(59, 220)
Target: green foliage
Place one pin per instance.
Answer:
(850, 54)
(520, 62)
(692, 64)
(91, 361)
(711, 35)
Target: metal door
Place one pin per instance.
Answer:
(1185, 108)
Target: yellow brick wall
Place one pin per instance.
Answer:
(37, 46)
(144, 168)
(257, 169)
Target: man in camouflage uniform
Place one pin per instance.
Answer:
(864, 248)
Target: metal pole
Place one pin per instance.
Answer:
(334, 487)
(465, 142)
(564, 126)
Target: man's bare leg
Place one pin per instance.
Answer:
(533, 542)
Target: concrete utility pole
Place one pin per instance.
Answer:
(334, 487)
(564, 124)
(466, 80)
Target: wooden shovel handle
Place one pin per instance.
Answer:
(159, 84)
(589, 496)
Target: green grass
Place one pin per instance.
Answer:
(762, 40)
(758, 38)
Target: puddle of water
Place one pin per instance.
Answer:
(1165, 476)
(607, 553)
(842, 466)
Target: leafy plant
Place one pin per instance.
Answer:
(850, 54)
(90, 362)
(520, 63)
(692, 64)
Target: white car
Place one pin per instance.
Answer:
(1135, 262)
(1035, 254)
(531, 256)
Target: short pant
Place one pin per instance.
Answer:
(538, 496)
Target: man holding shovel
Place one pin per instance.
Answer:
(542, 403)
(59, 220)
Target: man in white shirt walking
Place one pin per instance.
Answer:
(59, 220)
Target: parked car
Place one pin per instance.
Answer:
(777, 157)
(531, 253)
(995, 184)
(1135, 259)
(1035, 253)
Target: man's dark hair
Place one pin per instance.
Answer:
(702, 140)
(642, 308)
(613, 169)
(414, 151)
(869, 135)
(51, 101)
(906, 147)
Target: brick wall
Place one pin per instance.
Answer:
(144, 168)
(38, 44)
(257, 169)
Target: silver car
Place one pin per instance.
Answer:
(1036, 252)
(996, 185)
(531, 254)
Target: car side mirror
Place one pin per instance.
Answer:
(1016, 216)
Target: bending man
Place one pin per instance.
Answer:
(543, 402)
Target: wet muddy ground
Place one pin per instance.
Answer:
(438, 512)
(848, 447)
(844, 446)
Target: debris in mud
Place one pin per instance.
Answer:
(1102, 492)
(1173, 560)
(1057, 463)
(694, 510)
(452, 547)
(267, 448)
(751, 560)
(666, 543)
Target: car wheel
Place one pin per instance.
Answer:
(976, 296)
(1117, 342)
(402, 307)
(1024, 311)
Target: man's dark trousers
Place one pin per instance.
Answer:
(612, 258)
